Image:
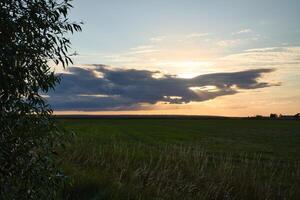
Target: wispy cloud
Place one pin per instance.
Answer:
(179, 37)
(246, 30)
(142, 47)
(266, 56)
(228, 43)
(197, 35)
(157, 38)
(142, 51)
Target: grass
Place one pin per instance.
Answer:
(182, 159)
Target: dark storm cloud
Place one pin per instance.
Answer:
(107, 89)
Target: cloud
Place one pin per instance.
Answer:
(283, 56)
(143, 49)
(196, 35)
(119, 89)
(157, 38)
(247, 30)
(227, 43)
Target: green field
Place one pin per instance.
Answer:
(182, 159)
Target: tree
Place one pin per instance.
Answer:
(273, 116)
(32, 32)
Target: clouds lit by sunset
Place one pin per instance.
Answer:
(233, 58)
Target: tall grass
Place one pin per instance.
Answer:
(120, 170)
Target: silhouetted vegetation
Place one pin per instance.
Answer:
(31, 34)
(276, 116)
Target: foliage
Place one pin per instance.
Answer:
(32, 32)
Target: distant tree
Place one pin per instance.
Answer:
(273, 116)
(32, 32)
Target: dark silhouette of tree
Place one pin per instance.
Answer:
(32, 32)
(273, 116)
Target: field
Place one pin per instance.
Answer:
(182, 159)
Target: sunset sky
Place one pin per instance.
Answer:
(195, 57)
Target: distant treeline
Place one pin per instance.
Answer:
(280, 116)
(203, 117)
(143, 117)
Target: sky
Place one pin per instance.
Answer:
(195, 57)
